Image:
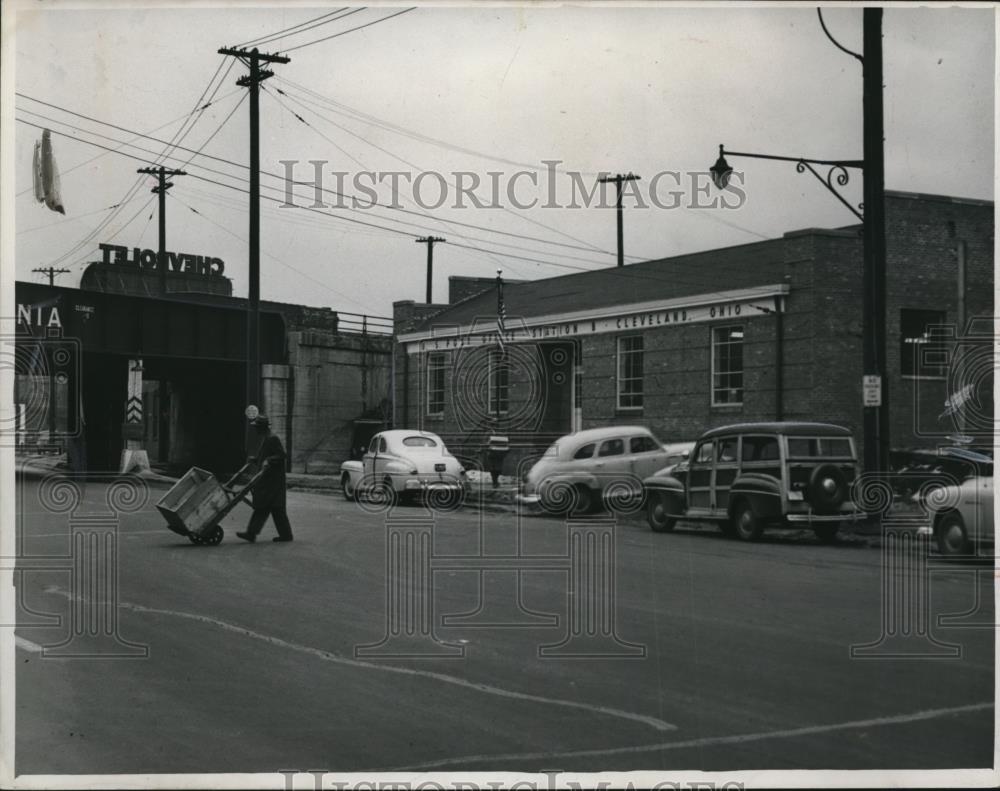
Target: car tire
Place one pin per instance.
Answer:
(952, 535)
(826, 532)
(384, 493)
(656, 504)
(746, 524)
(350, 493)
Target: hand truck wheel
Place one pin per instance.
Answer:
(214, 536)
(195, 539)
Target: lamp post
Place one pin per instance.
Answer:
(872, 215)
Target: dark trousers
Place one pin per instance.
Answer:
(260, 516)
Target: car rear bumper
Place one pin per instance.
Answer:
(528, 499)
(418, 485)
(811, 518)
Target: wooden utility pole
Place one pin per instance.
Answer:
(429, 241)
(876, 417)
(252, 81)
(51, 272)
(619, 181)
(160, 189)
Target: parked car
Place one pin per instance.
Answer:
(576, 472)
(404, 464)
(962, 514)
(752, 476)
(920, 468)
(677, 456)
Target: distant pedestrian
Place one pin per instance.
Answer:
(269, 492)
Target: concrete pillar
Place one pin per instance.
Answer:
(134, 455)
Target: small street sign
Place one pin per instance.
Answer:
(871, 388)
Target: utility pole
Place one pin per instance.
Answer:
(252, 81)
(51, 272)
(160, 189)
(876, 417)
(619, 182)
(429, 241)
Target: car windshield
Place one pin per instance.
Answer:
(419, 442)
(815, 447)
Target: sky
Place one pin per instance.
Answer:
(647, 90)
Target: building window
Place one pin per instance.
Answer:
(727, 365)
(499, 382)
(436, 364)
(922, 352)
(630, 372)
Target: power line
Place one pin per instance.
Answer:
(624, 272)
(582, 246)
(357, 115)
(269, 255)
(327, 190)
(351, 30)
(292, 32)
(255, 42)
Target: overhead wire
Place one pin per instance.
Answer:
(288, 31)
(350, 30)
(326, 190)
(709, 281)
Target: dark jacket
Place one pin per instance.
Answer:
(269, 491)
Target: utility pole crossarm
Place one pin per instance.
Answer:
(162, 185)
(429, 241)
(242, 52)
(51, 271)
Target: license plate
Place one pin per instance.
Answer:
(440, 467)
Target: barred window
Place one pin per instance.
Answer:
(727, 365)
(499, 381)
(630, 377)
(436, 364)
(922, 350)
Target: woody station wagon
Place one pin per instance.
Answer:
(752, 476)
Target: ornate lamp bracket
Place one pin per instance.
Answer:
(838, 172)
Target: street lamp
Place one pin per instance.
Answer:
(837, 173)
(872, 215)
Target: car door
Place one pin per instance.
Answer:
(611, 462)
(647, 455)
(382, 458)
(699, 476)
(368, 460)
(727, 467)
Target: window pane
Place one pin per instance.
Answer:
(612, 447)
(922, 352)
(727, 365)
(727, 450)
(760, 449)
(630, 372)
(585, 452)
(704, 454)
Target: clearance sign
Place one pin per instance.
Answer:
(742, 304)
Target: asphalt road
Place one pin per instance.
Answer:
(251, 660)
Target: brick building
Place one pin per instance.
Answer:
(763, 331)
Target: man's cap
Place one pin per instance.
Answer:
(261, 420)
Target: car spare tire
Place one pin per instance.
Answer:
(827, 488)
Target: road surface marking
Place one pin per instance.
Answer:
(707, 741)
(328, 656)
(27, 645)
